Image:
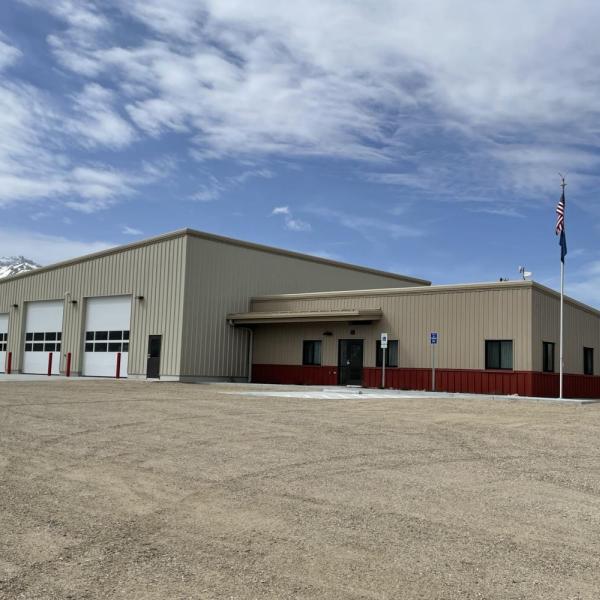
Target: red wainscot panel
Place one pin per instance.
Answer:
(546, 385)
(523, 383)
(452, 380)
(294, 374)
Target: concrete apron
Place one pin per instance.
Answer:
(344, 393)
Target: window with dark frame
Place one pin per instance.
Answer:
(51, 338)
(499, 354)
(588, 361)
(548, 357)
(311, 352)
(96, 341)
(391, 354)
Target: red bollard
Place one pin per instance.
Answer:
(9, 363)
(49, 364)
(118, 373)
(68, 373)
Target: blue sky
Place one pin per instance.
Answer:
(419, 137)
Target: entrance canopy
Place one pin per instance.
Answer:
(327, 316)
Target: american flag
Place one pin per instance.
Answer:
(560, 226)
(560, 215)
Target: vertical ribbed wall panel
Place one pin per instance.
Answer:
(582, 329)
(155, 270)
(464, 319)
(221, 278)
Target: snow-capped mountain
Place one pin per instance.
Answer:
(12, 265)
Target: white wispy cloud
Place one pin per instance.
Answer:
(367, 226)
(281, 210)
(368, 81)
(97, 122)
(290, 222)
(126, 230)
(214, 187)
(33, 162)
(8, 54)
(79, 14)
(501, 211)
(45, 249)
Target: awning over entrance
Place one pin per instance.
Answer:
(328, 316)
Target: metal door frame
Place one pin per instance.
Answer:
(340, 366)
(148, 357)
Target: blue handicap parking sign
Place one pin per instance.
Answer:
(434, 337)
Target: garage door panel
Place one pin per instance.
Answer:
(43, 337)
(3, 341)
(106, 336)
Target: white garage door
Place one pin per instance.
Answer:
(106, 336)
(3, 341)
(43, 335)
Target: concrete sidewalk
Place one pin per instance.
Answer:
(345, 393)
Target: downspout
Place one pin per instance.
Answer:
(250, 345)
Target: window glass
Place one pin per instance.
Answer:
(499, 354)
(588, 361)
(49, 347)
(126, 347)
(59, 335)
(126, 335)
(115, 335)
(391, 354)
(100, 347)
(548, 357)
(28, 347)
(50, 336)
(58, 347)
(38, 336)
(114, 347)
(29, 336)
(89, 335)
(38, 347)
(311, 352)
(101, 335)
(89, 347)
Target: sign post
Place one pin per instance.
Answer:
(433, 340)
(384, 344)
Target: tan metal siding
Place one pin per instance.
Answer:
(582, 328)
(463, 319)
(155, 271)
(221, 278)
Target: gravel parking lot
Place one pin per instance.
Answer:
(115, 489)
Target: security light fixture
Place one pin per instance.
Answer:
(327, 333)
(15, 306)
(140, 298)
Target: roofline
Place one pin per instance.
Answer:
(432, 289)
(216, 238)
(550, 292)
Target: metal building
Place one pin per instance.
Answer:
(157, 308)
(492, 338)
(191, 306)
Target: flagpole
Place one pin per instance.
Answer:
(562, 294)
(562, 302)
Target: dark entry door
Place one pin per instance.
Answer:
(350, 362)
(153, 367)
